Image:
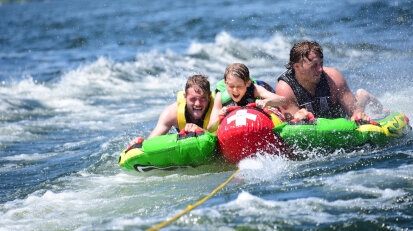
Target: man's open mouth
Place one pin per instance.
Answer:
(197, 112)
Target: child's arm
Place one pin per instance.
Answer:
(214, 118)
(267, 98)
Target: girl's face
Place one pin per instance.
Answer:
(236, 87)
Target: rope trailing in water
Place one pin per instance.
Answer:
(190, 207)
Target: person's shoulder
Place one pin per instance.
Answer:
(284, 74)
(170, 115)
(170, 112)
(173, 108)
(331, 72)
(282, 85)
(334, 75)
(284, 89)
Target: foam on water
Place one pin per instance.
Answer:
(300, 211)
(297, 211)
(374, 182)
(27, 157)
(85, 198)
(265, 167)
(258, 54)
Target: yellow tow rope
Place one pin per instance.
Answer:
(190, 207)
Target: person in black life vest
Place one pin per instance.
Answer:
(310, 87)
(191, 111)
(242, 92)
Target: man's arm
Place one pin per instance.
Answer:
(290, 107)
(344, 96)
(214, 118)
(167, 119)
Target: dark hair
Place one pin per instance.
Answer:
(239, 70)
(302, 49)
(198, 81)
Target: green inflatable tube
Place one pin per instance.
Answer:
(342, 133)
(170, 151)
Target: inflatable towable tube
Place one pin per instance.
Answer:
(330, 134)
(245, 131)
(170, 151)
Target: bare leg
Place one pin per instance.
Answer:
(365, 98)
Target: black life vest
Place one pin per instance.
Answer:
(321, 104)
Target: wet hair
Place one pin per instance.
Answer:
(198, 81)
(302, 50)
(239, 70)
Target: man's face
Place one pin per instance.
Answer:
(236, 87)
(310, 68)
(197, 102)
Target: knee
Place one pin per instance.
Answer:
(361, 93)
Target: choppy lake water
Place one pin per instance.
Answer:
(80, 79)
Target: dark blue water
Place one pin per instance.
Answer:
(80, 79)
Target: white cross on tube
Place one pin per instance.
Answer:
(241, 117)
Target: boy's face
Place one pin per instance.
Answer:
(236, 87)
